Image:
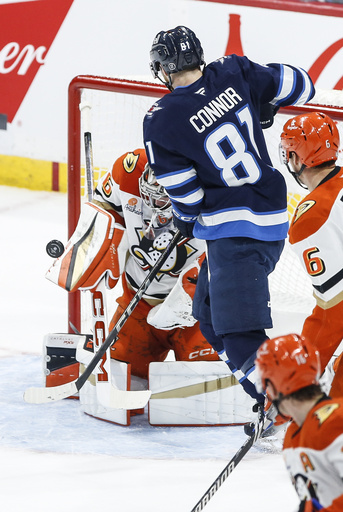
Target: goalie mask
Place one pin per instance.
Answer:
(175, 50)
(313, 137)
(157, 208)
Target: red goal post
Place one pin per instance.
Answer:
(118, 106)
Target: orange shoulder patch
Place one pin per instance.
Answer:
(127, 170)
(302, 208)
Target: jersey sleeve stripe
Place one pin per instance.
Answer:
(286, 86)
(195, 197)
(177, 178)
(189, 183)
(330, 283)
(242, 214)
(307, 92)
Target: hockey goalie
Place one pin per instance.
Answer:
(119, 237)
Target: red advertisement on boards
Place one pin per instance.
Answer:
(28, 30)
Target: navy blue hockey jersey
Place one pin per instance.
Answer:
(206, 146)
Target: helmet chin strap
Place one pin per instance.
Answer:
(296, 175)
(167, 83)
(276, 404)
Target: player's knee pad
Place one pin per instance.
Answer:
(121, 379)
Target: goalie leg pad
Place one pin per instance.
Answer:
(197, 394)
(121, 379)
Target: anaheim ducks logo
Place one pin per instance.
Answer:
(130, 162)
(325, 412)
(303, 208)
(147, 253)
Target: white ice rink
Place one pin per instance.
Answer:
(53, 457)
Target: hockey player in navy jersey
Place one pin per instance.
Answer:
(206, 146)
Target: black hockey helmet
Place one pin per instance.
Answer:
(175, 50)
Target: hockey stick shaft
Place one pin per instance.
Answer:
(85, 109)
(89, 164)
(223, 475)
(243, 450)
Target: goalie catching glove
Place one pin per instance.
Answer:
(97, 246)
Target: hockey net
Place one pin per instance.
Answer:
(118, 107)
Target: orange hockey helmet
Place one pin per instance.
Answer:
(313, 137)
(289, 363)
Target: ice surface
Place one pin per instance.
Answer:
(55, 458)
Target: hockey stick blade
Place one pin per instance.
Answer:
(117, 398)
(51, 394)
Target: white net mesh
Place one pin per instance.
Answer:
(116, 124)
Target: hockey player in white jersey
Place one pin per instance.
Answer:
(310, 144)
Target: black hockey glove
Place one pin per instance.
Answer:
(185, 228)
(267, 113)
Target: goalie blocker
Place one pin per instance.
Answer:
(198, 393)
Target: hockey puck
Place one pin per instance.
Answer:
(55, 248)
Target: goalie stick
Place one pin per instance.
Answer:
(118, 399)
(85, 110)
(243, 450)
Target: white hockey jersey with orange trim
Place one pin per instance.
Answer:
(313, 454)
(316, 234)
(119, 189)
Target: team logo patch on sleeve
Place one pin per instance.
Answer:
(130, 162)
(303, 208)
(325, 412)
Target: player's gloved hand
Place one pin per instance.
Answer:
(186, 228)
(267, 113)
(310, 506)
